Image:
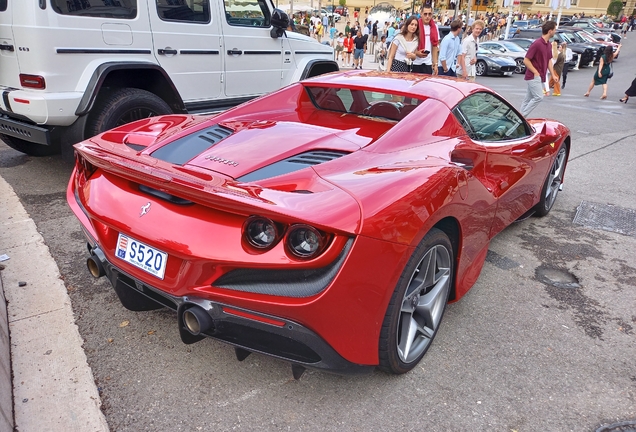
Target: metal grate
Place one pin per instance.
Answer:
(606, 217)
(316, 157)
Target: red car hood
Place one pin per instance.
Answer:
(249, 146)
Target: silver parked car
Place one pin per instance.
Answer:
(508, 49)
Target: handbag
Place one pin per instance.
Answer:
(611, 74)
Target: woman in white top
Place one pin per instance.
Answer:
(403, 47)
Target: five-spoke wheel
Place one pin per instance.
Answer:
(417, 305)
(552, 183)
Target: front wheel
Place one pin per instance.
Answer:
(417, 305)
(481, 68)
(520, 68)
(123, 106)
(552, 183)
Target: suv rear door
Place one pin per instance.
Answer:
(9, 66)
(187, 43)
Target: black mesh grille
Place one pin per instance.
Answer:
(292, 164)
(287, 283)
(187, 148)
(316, 157)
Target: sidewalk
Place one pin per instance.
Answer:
(53, 386)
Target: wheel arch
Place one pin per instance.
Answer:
(145, 76)
(450, 226)
(317, 67)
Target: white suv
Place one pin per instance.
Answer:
(70, 69)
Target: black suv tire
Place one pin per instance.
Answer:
(121, 106)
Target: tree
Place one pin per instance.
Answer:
(614, 8)
(342, 3)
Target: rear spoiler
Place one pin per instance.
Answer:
(330, 209)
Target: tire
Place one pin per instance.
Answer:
(552, 183)
(481, 68)
(520, 68)
(121, 106)
(30, 148)
(417, 305)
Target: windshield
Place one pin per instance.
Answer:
(587, 37)
(366, 103)
(567, 37)
(513, 47)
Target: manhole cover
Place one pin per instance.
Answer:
(625, 426)
(606, 217)
(556, 277)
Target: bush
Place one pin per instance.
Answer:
(614, 8)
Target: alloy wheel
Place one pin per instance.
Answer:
(423, 303)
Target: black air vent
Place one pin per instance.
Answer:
(316, 157)
(292, 164)
(187, 148)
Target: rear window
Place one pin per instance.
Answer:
(123, 9)
(3, 5)
(366, 103)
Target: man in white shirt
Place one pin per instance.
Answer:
(429, 42)
(468, 57)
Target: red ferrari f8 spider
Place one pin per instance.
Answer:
(327, 224)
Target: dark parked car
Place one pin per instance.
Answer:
(525, 44)
(600, 33)
(587, 52)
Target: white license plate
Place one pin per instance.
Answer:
(141, 255)
(507, 73)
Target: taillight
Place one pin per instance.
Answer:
(84, 168)
(305, 241)
(260, 233)
(32, 81)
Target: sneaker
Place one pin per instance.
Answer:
(556, 94)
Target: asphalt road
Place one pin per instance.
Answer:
(515, 354)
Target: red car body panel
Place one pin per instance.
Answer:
(393, 186)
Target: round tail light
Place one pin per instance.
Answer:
(304, 241)
(261, 232)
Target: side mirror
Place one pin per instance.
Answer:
(280, 22)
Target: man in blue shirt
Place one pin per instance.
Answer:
(449, 49)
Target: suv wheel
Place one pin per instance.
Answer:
(123, 106)
(30, 148)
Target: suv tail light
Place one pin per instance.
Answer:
(32, 81)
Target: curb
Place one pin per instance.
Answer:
(53, 386)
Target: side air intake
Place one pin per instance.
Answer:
(292, 164)
(187, 148)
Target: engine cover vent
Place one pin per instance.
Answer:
(292, 164)
(187, 148)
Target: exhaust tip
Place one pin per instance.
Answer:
(95, 267)
(197, 320)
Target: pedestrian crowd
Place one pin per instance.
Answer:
(412, 43)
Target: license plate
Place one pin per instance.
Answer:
(141, 255)
(507, 73)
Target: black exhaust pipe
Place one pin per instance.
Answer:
(196, 320)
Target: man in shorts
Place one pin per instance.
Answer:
(360, 46)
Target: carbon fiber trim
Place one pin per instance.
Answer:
(286, 283)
